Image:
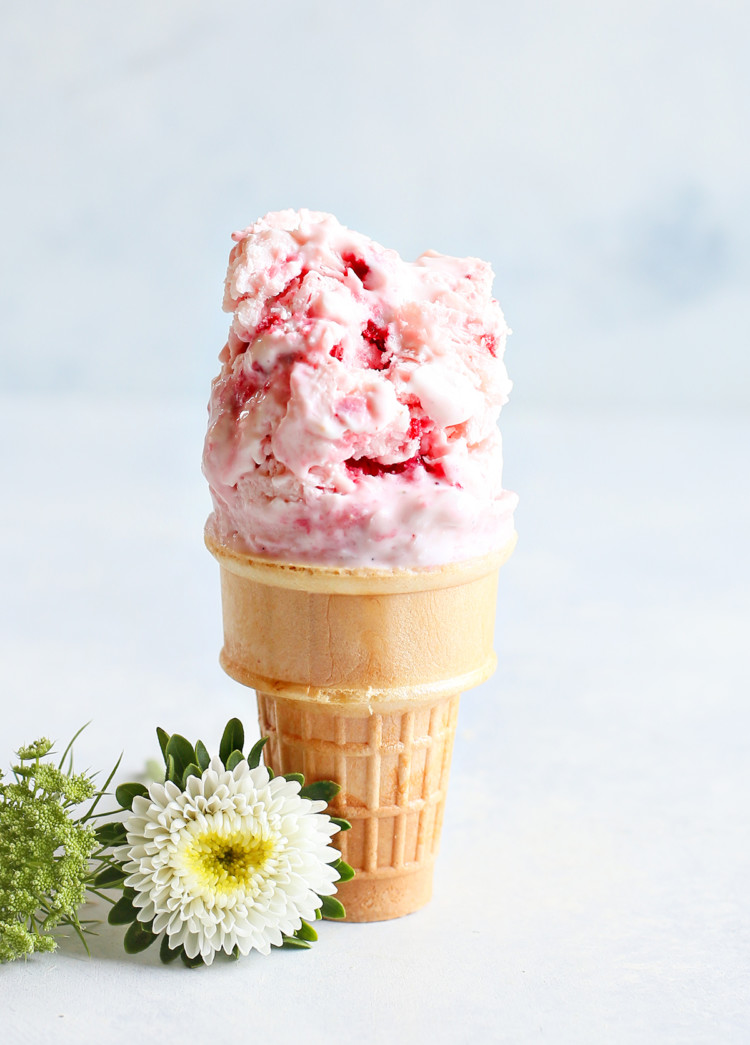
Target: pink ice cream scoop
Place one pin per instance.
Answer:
(354, 419)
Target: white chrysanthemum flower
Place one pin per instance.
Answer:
(234, 860)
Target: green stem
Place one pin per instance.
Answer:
(81, 937)
(98, 855)
(69, 748)
(103, 791)
(102, 896)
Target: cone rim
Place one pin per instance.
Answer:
(354, 580)
(372, 697)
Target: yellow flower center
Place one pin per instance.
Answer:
(224, 863)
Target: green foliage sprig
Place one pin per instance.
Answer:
(52, 855)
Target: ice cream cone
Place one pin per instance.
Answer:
(358, 674)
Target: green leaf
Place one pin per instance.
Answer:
(345, 870)
(80, 932)
(235, 953)
(253, 759)
(306, 932)
(320, 791)
(233, 739)
(171, 769)
(69, 748)
(234, 759)
(154, 771)
(123, 912)
(111, 834)
(99, 795)
(192, 963)
(191, 770)
(183, 753)
(204, 759)
(138, 938)
(294, 776)
(332, 908)
(270, 772)
(125, 794)
(318, 915)
(343, 825)
(166, 953)
(109, 877)
(163, 741)
(292, 943)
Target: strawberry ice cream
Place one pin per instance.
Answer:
(354, 419)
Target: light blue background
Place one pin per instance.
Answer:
(592, 882)
(595, 153)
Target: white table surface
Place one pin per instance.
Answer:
(593, 879)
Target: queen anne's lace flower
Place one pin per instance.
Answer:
(234, 860)
(46, 847)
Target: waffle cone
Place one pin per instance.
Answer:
(358, 674)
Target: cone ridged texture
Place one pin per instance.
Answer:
(358, 675)
(393, 768)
